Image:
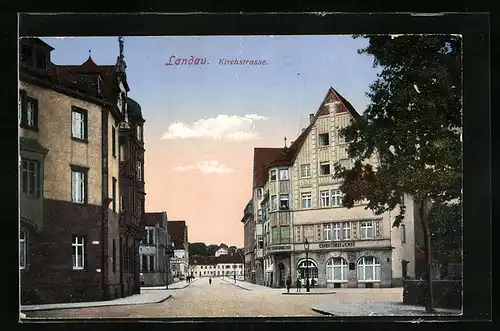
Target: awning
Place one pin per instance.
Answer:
(270, 268)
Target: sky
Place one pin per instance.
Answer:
(203, 121)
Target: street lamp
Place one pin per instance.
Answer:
(306, 248)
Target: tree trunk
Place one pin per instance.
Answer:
(429, 307)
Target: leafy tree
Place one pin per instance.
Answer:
(231, 250)
(413, 124)
(445, 223)
(211, 249)
(197, 248)
(223, 246)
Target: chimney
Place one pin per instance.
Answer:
(311, 116)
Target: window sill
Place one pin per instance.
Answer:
(336, 281)
(31, 128)
(324, 146)
(368, 281)
(78, 269)
(84, 140)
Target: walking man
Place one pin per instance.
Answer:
(288, 283)
(210, 281)
(298, 284)
(234, 277)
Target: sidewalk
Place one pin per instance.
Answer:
(247, 286)
(146, 297)
(378, 309)
(175, 286)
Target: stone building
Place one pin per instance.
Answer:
(218, 266)
(249, 242)
(69, 172)
(346, 247)
(132, 195)
(155, 251)
(179, 263)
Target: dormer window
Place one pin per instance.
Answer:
(99, 84)
(27, 55)
(41, 60)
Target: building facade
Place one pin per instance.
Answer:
(218, 266)
(69, 171)
(249, 242)
(302, 202)
(155, 251)
(132, 195)
(221, 251)
(179, 263)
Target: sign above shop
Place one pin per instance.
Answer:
(337, 244)
(280, 248)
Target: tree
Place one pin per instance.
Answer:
(231, 250)
(223, 246)
(211, 249)
(445, 223)
(197, 248)
(413, 125)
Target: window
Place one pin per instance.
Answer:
(122, 202)
(27, 55)
(260, 241)
(144, 263)
(113, 141)
(366, 230)
(325, 198)
(284, 203)
(151, 263)
(308, 268)
(336, 270)
(305, 171)
(327, 232)
(113, 196)
(139, 170)
(259, 193)
(114, 255)
(273, 203)
(29, 112)
(139, 133)
(30, 177)
(78, 252)
(368, 269)
(285, 234)
(341, 138)
(346, 233)
(284, 174)
(403, 233)
(121, 141)
(323, 139)
(259, 215)
(324, 168)
(306, 200)
(275, 233)
(336, 231)
(337, 198)
(150, 233)
(273, 174)
(78, 184)
(40, 60)
(79, 124)
(22, 249)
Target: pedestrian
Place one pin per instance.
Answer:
(210, 281)
(288, 283)
(312, 283)
(298, 284)
(234, 278)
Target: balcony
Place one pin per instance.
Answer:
(280, 218)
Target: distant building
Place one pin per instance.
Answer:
(221, 251)
(155, 250)
(218, 266)
(179, 263)
(249, 242)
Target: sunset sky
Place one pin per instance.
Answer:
(202, 122)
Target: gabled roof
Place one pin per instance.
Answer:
(152, 219)
(288, 155)
(177, 231)
(261, 157)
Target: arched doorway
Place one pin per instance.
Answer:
(307, 267)
(281, 275)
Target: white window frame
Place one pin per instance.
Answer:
(78, 179)
(327, 232)
(77, 125)
(139, 132)
(284, 197)
(336, 231)
(259, 193)
(346, 231)
(334, 264)
(272, 174)
(35, 174)
(78, 247)
(283, 174)
(121, 152)
(403, 233)
(364, 227)
(305, 171)
(362, 267)
(320, 142)
(325, 198)
(306, 197)
(273, 202)
(30, 112)
(313, 270)
(336, 198)
(329, 168)
(22, 248)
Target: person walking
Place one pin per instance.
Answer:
(210, 281)
(288, 283)
(234, 277)
(298, 284)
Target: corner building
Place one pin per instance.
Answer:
(301, 200)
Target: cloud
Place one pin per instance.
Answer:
(222, 127)
(206, 167)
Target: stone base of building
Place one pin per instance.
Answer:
(153, 279)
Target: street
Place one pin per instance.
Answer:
(223, 299)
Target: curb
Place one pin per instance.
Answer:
(99, 306)
(322, 312)
(235, 284)
(307, 293)
(180, 288)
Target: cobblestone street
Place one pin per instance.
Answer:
(223, 299)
